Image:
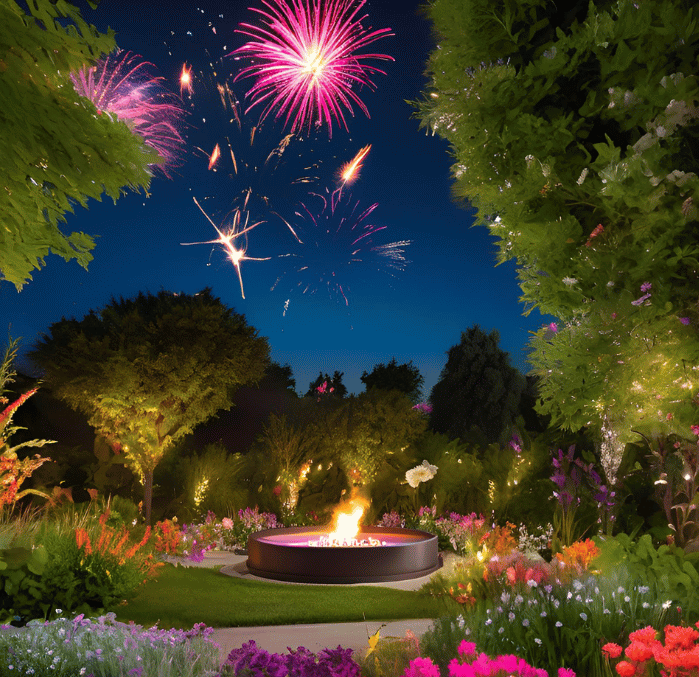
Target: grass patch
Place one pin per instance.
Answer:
(181, 597)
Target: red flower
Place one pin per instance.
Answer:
(625, 669)
(639, 652)
(611, 650)
(680, 638)
(645, 635)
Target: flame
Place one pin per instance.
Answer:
(346, 521)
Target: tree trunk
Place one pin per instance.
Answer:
(147, 493)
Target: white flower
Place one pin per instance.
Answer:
(583, 616)
(666, 605)
(420, 473)
(525, 622)
(559, 624)
(537, 640)
(583, 174)
(569, 281)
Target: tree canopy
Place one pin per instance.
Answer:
(147, 370)
(477, 389)
(574, 132)
(56, 150)
(393, 376)
(327, 387)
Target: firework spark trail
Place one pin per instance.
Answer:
(349, 172)
(225, 239)
(305, 60)
(186, 80)
(338, 238)
(124, 86)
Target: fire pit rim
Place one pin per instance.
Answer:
(414, 558)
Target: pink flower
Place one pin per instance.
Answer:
(566, 672)
(553, 327)
(695, 429)
(227, 523)
(457, 669)
(421, 667)
(467, 649)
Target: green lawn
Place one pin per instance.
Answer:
(181, 597)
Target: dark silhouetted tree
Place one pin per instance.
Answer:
(477, 388)
(393, 376)
(147, 370)
(325, 386)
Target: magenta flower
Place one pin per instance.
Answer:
(421, 667)
(553, 327)
(646, 286)
(467, 649)
(306, 60)
(566, 672)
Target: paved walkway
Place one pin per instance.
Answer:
(278, 638)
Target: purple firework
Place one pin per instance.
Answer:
(305, 60)
(335, 240)
(124, 86)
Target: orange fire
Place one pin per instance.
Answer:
(346, 520)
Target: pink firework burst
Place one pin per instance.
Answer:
(306, 61)
(125, 86)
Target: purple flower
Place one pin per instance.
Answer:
(685, 320)
(646, 286)
(639, 301)
(559, 479)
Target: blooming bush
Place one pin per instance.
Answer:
(249, 661)
(679, 655)
(248, 521)
(472, 664)
(103, 646)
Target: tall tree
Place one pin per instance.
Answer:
(147, 370)
(478, 388)
(327, 387)
(574, 130)
(55, 149)
(393, 376)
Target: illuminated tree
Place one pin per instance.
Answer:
(368, 430)
(405, 378)
(147, 371)
(574, 131)
(56, 150)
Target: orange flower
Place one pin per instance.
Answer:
(579, 554)
(81, 538)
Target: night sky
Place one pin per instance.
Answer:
(449, 284)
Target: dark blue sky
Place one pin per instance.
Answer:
(450, 283)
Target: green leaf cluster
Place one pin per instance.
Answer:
(573, 131)
(56, 149)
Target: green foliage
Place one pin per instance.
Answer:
(212, 482)
(572, 130)
(148, 370)
(477, 388)
(21, 570)
(57, 151)
(456, 486)
(671, 572)
(393, 376)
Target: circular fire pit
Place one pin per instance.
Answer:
(375, 555)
